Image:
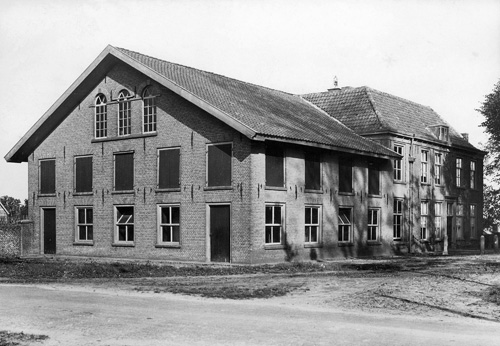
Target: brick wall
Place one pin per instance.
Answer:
(16, 239)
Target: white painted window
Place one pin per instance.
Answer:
(397, 219)
(149, 111)
(398, 163)
(84, 224)
(169, 226)
(345, 225)
(424, 218)
(373, 224)
(124, 114)
(274, 223)
(424, 166)
(124, 224)
(312, 224)
(101, 117)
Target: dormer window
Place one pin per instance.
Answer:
(149, 111)
(124, 117)
(443, 133)
(101, 117)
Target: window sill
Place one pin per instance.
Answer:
(312, 191)
(173, 189)
(214, 188)
(425, 184)
(171, 246)
(47, 194)
(83, 193)
(274, 246)
(275, 188)
(373, 243)
(83, 243)
(374, 196)
(346, 193)
(400, 182)
(131, 244)
(397, 240)
(345, 244)
(124, 192)
(313, 245)
(119, 138)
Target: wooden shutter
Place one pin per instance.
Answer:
(219, 165)
(169, 168)
(373, 179)
(313, 171)
(83, 174)
(274, 167)
(124, 172)
(48, 176)
(345, 176)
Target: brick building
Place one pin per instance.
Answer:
(149, 159)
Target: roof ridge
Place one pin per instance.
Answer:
(397, 97)
(375, 110)
(204, 71)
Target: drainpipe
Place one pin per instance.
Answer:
(411, 160)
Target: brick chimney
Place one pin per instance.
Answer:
(465, 136)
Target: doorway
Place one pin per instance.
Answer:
(49, 230)
(220, 233)
(450, 218)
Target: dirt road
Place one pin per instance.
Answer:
(72, 315)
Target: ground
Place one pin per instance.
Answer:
(425, 292)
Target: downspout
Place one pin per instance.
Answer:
(411, 160)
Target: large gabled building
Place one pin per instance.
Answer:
(438, 182)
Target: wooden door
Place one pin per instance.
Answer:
(220, 244)
(49, 230)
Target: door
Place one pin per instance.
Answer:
(220, 219)
(449, 221)
(49, 230)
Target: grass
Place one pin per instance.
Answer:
(19, 339)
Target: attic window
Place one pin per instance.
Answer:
(124, 117)
(443, 133)
(101, 117)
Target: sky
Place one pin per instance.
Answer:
(444, 54)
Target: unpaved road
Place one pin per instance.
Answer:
(72, 315)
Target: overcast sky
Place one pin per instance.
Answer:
(444, 54)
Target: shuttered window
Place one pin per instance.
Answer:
(48, 176)
(219, 165)
(373, 179)
(312, 171)
(124, 171)
(345, 175)
(83, 174)
(169, 168)
(275, 170)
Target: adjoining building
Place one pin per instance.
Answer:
(143, 158)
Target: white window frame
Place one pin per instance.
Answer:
(424, 220)
(373, 225)
(438, 219)
(100, 116)
(473, 174)
(342, 224)
(398, 164)
(458, 172)
(424, 166)
(459, 220)
(397, 227)
(127, 225)
(160, 225)
(124, 114)
(149, 111)
(438, 168)
(79, 223)
(443, 133)
(308, 227)
(473, 225)
(275, 223)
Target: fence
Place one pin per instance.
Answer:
(16, 239)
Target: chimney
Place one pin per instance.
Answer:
(335, 85)
(465, 136)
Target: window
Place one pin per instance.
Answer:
(373, 179)
(473, 174)
(101, 117)
(345, 225)
(424, 166)
(312, 171)
(373, 224)
(124, 216)
(169, 224)
(149, 111)
(47, 176)
(460, 214)
(424, 214)
(83, 174)
(398, 164)
(124, 172)
(312, 225)
(124, 115)
(345, 175)
(438, 168)
(275, 167)
(84, 224)
(274, 223)
(169, 168)
(219, 164)
(458, 172)
(473, 229)
(438, 219)
(397, 219)
(443, 133)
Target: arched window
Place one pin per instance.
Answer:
(101, 117)
(149, 111)
(124, 118)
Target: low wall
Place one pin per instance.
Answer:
(16, 239)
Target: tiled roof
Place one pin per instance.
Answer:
(269, 113)
(366, 111)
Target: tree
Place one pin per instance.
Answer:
(16, 210)
(490, 109)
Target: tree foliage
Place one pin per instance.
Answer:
(490, 109)
(16, 210)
